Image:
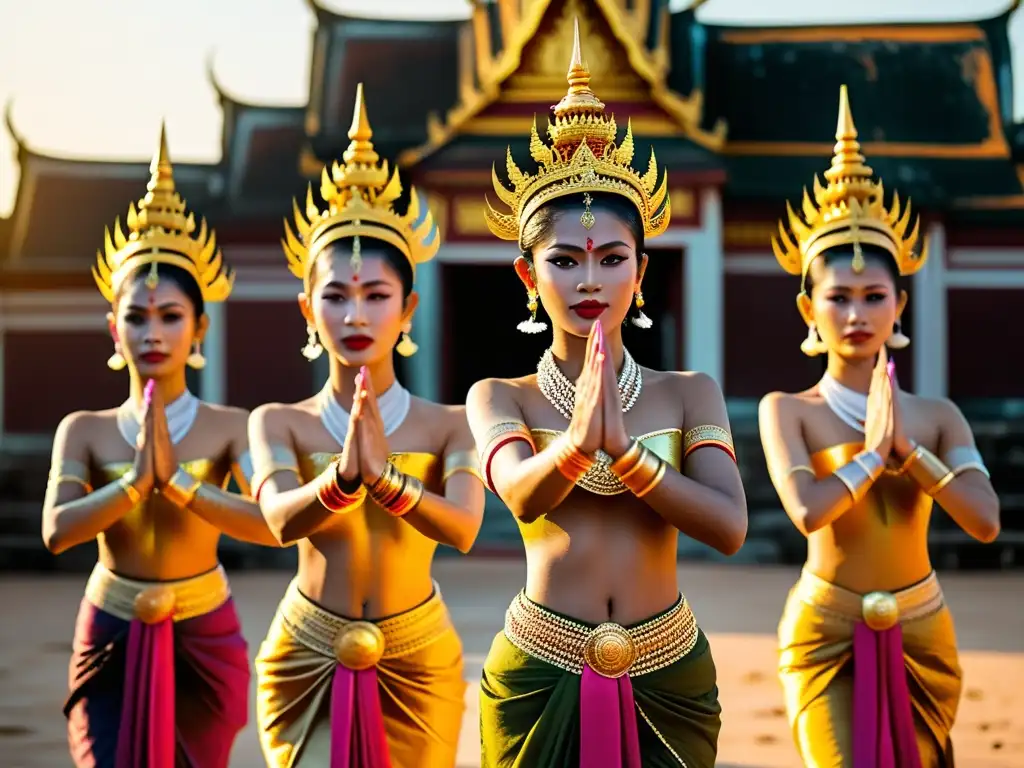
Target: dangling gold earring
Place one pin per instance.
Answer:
(532, 325)
(898, 340)
(312, 350)
(641, 320)
(406, 346)
(196, 360)
(813, 346)
(116, 361)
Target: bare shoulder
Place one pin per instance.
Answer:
(788, 403)
(488, 391)
(693, 388)
(226, 417)
(447, 421)
(936, 409)
(78, 423)
(283, 415)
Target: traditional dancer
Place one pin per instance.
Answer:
(869, 660)
(160, 672)
(601, 661)
(367, 479)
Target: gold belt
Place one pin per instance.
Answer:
(359, 644)
(153, 601)
(879, 610)
(609, 649)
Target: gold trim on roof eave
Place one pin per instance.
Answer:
(895, 33)
(687, 110)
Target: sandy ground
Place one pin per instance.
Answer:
(738, 607)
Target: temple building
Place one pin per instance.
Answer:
(741, 118)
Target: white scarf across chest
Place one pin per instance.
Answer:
(181, 415)
(393, 406)
(849, 405)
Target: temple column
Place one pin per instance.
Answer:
(425, 366)
(213, 379)
(704, 291)
(928, 303)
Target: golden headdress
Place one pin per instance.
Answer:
(360, 195)
(160, 232)
(849, 211)
(582, 157)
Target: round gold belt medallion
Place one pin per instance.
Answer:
(610, 651)
(359, 645)
(881, 610)
(154, 604)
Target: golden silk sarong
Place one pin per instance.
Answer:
(816, 667)
(420, 681)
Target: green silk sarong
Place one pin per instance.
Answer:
(530, 711)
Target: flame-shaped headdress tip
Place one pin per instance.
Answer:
(582, 158)
(849, 211)
(160, 231)
(359, 194)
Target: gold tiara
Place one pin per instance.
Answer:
(160, 232)
(582, 158)
(849, 211)
(359, 194)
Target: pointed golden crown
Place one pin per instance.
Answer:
(359, 195)
(849, 211)
(160, 232)
(582, 157)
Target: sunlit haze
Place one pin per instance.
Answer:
(93, 79)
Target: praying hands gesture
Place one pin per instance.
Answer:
(370, 438)
(159, 440)
(597, 421)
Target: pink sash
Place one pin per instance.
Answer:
(358, 739)
(883, 722)
(608, 732)
(146, 738)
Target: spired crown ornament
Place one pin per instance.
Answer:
(160, 232)
(849, 211)
(360, 194)
(582, 158)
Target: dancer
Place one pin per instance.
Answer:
(601, 661)
(869, 660)
(160, 671)
(367, 479)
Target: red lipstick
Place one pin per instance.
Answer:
(356, 343)
(589, 309)
(858, 337)
(153, 357)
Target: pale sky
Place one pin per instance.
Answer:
(92, 78)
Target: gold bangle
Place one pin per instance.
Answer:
(627, 461)
(645, 474)
(934, 490)
(801, 468)
(859, 473)
(395, 492)
(461, 461)
(127, 483)
(56, 480)
(332, 497)
(181, 489)
(570, 460)
(926, 469)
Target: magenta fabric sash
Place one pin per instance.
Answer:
(883, 721)
(358, 739)
(608, 732)
(146, 736)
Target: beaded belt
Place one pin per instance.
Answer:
(358, 644)
(609, 649)
(154, 601)
(879, 610)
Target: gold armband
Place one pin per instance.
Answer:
(277, 458)
(800, 468)
(570, 460)
(928, 471)
(395, 492)
(965, 458)
(496, 438)
(69, 471)
(708, 435)
(639, 469)
(461, 461)
(127, 483)
(332, 496)
(858, 474)
(181, 489)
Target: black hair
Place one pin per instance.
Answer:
(872, 253)
(177, 275)
(538, 226)
(391, 256)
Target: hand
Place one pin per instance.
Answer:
(348, 464)
(164, 463)
(142, 467)
(902, 445)
(878, 424)
(373, 445)
(616, 439)
(586, 428)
